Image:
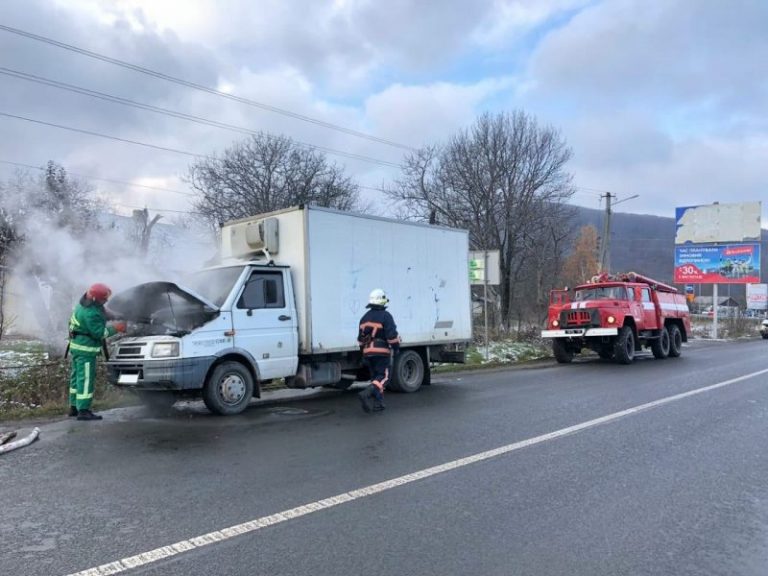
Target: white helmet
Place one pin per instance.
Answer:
(377, 297)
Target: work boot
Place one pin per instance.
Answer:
(378, 401)
(72, 411)
(88, 415)
(366, 399)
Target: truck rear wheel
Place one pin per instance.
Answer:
(408, 372)
(661, 345)
(675, 341)
(561, 350)
(228, 389)
(624, 347)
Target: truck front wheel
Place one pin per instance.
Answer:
(408, 372)
(624, 347)
(228, 389)
(561, 350)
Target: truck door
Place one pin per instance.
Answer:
(649, 309)
(265, 323)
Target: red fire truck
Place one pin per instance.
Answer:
(616, 316)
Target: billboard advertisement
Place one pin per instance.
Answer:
(721, 223)
(728, 264)
(757, 296)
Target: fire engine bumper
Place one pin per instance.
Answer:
(579, 332)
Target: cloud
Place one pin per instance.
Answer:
(426, 114)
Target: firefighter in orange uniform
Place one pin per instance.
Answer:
(379, 341)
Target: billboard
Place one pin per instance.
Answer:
(721, 223)
(728, 264)
(757, 296)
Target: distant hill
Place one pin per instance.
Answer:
(646, 244)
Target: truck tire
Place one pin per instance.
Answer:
(675, 341)
(407, 372)
(228, 389)
(157, 403)
(563, 354)
(624, 347)
(661, 345)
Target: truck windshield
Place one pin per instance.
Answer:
(214, 284)
(601, 293)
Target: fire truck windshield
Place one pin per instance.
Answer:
(601, 293)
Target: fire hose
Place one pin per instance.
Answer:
(31, 437)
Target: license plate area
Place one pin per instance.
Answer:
(127, 378)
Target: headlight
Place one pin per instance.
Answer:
(165, 349)
(611, 319)
(555, 323)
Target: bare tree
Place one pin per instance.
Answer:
(504, 180)
(265, 173)
(143, 226)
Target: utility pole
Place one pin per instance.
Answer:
(605, 254)
(605, 244)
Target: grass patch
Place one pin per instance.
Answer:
(34, 386)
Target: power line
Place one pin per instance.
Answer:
(107, 136)
(174, 113)
(202, 88)
(110, 180)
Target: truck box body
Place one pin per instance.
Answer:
(337, 258)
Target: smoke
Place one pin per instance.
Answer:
(67, 240)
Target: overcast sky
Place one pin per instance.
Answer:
(666, 99)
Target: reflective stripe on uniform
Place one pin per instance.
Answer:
(83, 348)
(372, 350)
(87, 392)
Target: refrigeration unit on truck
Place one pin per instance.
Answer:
(285, 302)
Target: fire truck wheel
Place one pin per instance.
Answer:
(624, 347)
(661, 345)
(675, 341)
(229, 389)
(561, 350)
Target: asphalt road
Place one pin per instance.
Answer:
(677, 488)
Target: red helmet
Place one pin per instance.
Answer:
(99, 292)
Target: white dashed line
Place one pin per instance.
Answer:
(145, 558)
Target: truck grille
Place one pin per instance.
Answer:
(578, 318)
(130, 351)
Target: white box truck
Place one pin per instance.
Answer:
(285, 303)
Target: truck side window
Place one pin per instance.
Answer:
(631, 292)
(646, 295)
(263, 290)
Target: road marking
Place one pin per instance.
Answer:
(171, 550)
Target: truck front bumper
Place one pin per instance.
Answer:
(175, 374)
(579, 332)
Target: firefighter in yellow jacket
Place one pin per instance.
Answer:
(87, 331)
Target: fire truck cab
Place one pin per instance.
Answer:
(616, 316)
